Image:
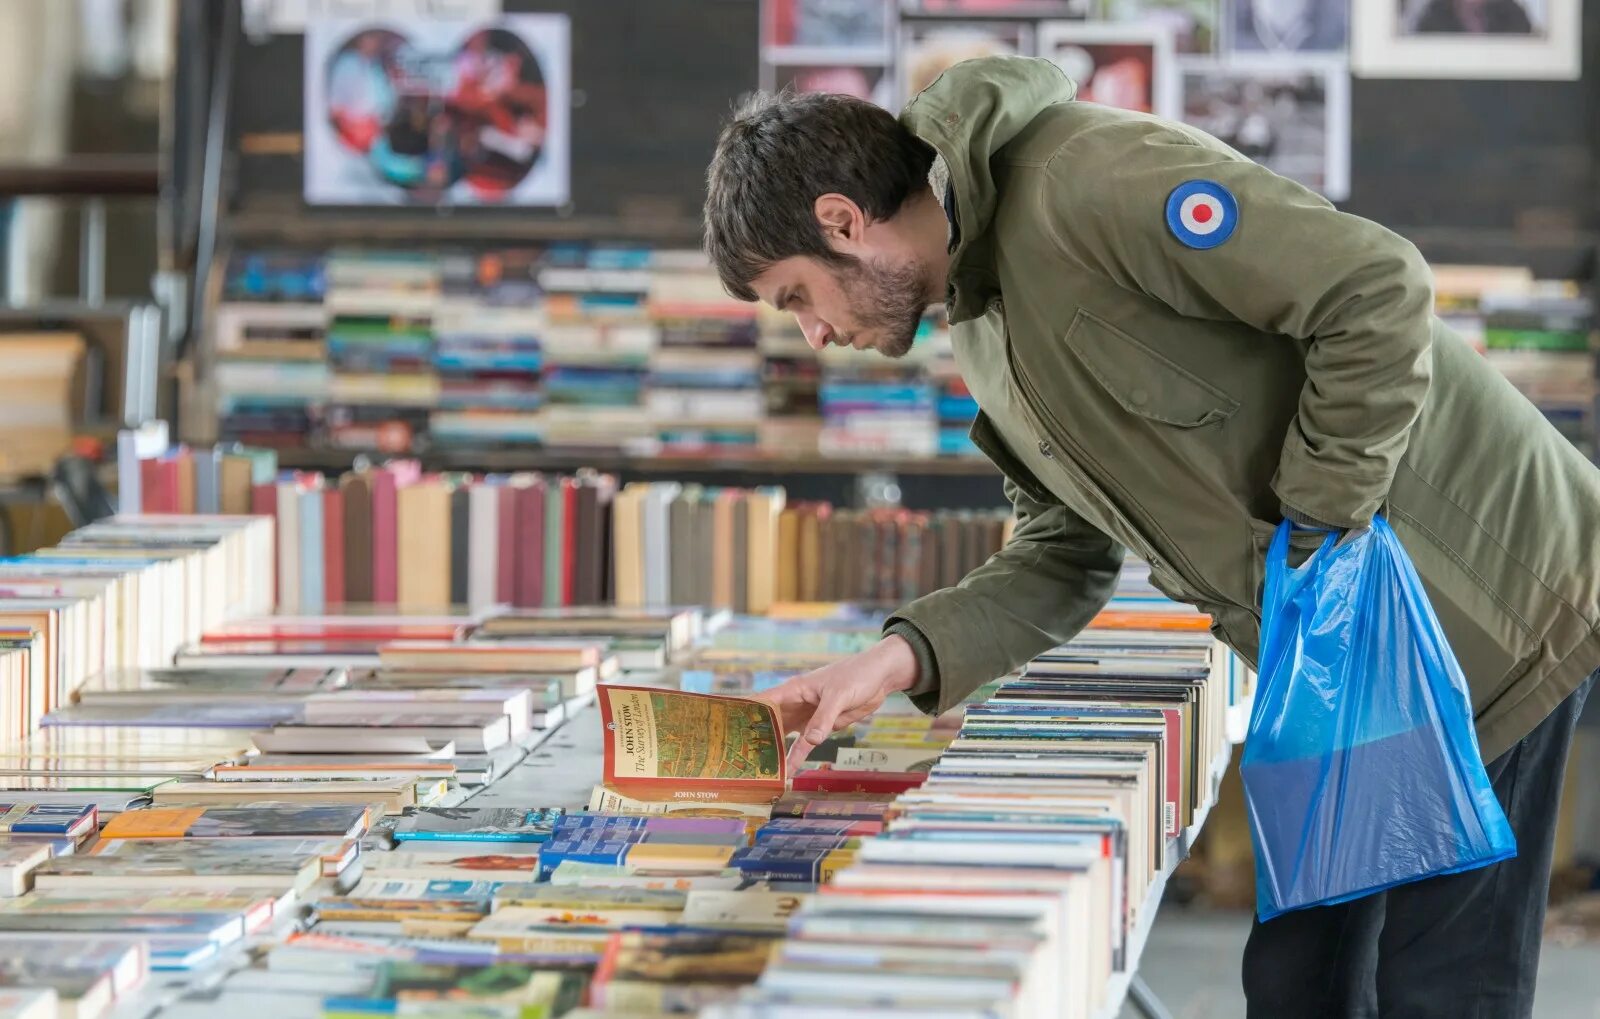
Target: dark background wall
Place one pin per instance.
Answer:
(1500, 171)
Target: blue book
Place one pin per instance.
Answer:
(312, 600)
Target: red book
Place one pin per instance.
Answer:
(569, 541)
(385, 532)
(530, 545)
(834, 780)
(506, 546)
(151, 491)
(333, 546)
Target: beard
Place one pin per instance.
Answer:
(887, 299)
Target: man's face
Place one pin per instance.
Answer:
(867, 303)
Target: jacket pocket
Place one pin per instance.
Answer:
(988, 441)
(1142, 381)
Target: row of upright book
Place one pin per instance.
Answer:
(570, 347)
(392, 534)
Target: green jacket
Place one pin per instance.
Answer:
(1141, 393)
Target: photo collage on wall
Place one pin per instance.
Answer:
(1269, 77)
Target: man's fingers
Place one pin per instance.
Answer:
(799, 752)
(819, 728)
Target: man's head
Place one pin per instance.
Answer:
(819, 204)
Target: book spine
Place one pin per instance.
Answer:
(555, 529)
(569, 541)
(312, 600)
(506, 546)
(460, 536)
(130, 474)
(333, 547)
(527, 588)
(385, 575)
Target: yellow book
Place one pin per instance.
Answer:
(667, 856)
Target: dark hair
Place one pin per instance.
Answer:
(778, 154)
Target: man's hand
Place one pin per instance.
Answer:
(842, 693)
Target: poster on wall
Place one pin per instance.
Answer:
(1291, 116)
(1126, 66)
(430, 112)
(1289, 26)
(1195, 24)
(929, 48)
(1524, 39)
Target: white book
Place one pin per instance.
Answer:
(483, 507)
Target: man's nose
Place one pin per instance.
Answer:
(817, 332)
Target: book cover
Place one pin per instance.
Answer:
(237, 822)
(668, 745)
(479, 824)
(63, 819)
(681, 971)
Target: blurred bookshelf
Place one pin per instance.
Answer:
(627, 358)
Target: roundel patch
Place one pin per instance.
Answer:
(1202, 213)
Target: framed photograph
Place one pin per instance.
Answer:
(1196, 24)
(1288, 26)
(929, 48)
(874, 84)
(430, 112)
(860, 27)
(1520, 39)
(999, 8)
(1291, 116)
(1127, 66)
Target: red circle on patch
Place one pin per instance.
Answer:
(1202, 214)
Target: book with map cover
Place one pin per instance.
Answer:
(666, 745)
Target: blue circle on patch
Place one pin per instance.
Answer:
(1202, 213)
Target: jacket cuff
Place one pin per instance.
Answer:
(1294, 516)
(961, 660)
(1337, 501)
(927, 665)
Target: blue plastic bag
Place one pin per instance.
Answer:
(1361, 770)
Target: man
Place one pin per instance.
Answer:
(1173, 348)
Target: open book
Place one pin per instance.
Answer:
(672, 747)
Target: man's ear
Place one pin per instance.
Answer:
(842, 221)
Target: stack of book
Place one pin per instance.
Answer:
(705, 388)
(37, 400)
(791, 375)
(573, 347)
(1537, 333)
(380, 344)
(704, 875)
(488, 354)
(597, 348)
(272, 378)
(875, 407)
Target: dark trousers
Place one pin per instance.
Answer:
(1462, 946)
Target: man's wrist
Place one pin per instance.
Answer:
(899, 660)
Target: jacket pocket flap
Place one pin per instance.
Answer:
(1142, 381)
